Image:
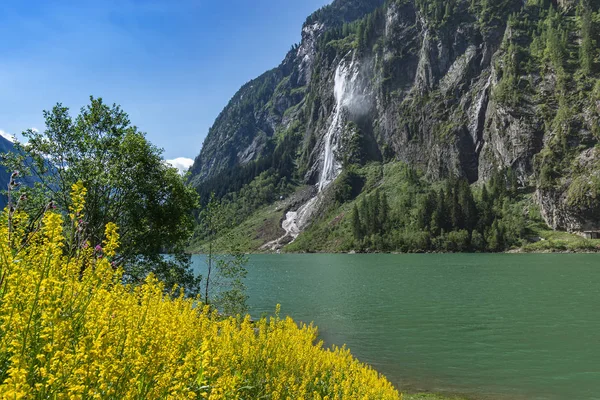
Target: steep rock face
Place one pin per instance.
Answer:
(242, 131)
(453, 88)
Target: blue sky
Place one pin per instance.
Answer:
(171, 64)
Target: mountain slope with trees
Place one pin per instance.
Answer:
(461, 91)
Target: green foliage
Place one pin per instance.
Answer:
(587, 49)
(360, 34)
(128, 183)
(556, 43)
(223, 285)
(408, 214)
(372, 221)
(508, 90)
(368, 29)
(347, 186)
(584, 192)
(439, 12)
(352, 146)
(342, 11)
(548, 173)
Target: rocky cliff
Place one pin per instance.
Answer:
(455, 88)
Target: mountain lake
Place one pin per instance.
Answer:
(487, 326)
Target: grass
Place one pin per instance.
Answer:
(558, 241)
(261, 227)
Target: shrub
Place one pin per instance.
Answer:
(69, 328)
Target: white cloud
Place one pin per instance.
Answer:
(7, 136)
(181, 163)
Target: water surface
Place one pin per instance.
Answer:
(491, 326)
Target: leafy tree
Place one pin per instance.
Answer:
(127, 183)
(223, 285)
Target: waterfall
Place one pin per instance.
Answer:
(344, 93)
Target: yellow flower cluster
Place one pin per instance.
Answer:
(69, 329)
(78, 192)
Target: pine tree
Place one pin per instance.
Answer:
(587, 49)
(364, 216)
(467, 205)
(455, 211)
(360, 36)
(376, 207)
(442, 212)
(486, 213)
(384, 213)
(495, 237)
(448, 12)
(357, 228)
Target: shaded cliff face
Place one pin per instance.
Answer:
(460, 88)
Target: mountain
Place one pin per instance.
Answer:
(6, 146)
(454, 89)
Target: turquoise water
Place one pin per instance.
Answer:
(490, 326)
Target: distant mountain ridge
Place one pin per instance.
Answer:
(6, 146)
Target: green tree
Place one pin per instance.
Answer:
(555, 50)
(352, 146)
(467, 205)
(486, 209)
(375, 203)
(127, 183)
(223, 285)
(587, 49)
(357, 228)
(495, 237)
(384, 213)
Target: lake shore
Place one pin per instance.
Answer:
(520, 250)
(432, 396)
